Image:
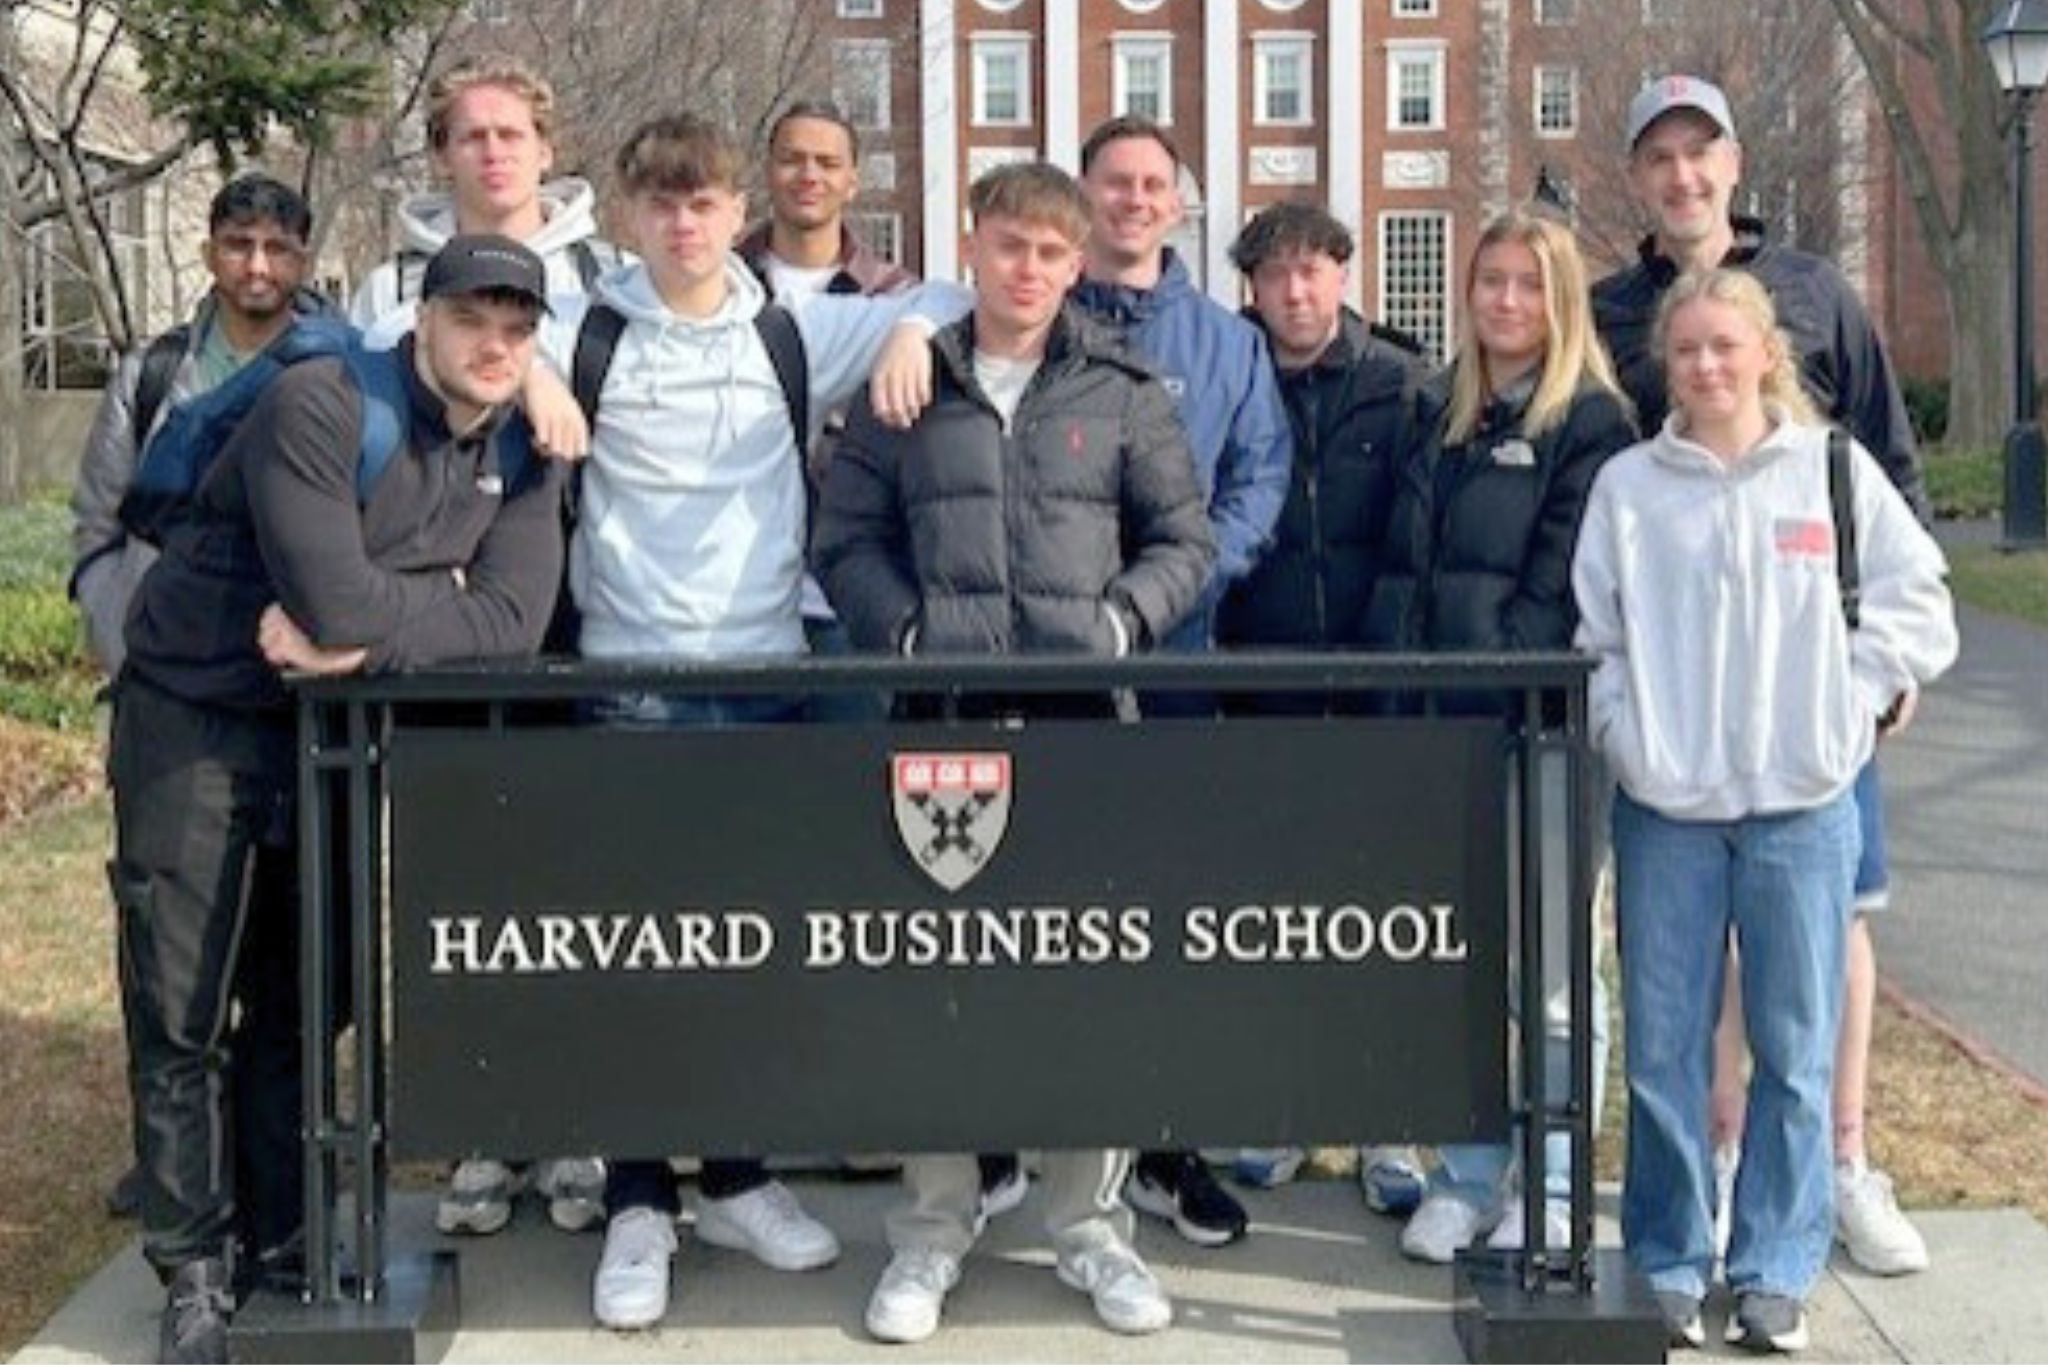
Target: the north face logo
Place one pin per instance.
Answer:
(951, 810)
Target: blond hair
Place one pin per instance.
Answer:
(1742, 291)
(1572, 353)
(506, 73)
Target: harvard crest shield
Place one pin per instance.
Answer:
(951, 810)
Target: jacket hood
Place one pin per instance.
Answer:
(1673, 448)
(568, 207)
(632, 292)
(1123, 303)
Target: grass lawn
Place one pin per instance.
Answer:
(2014, 585)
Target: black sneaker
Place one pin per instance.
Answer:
(1177, 1186)
(194, 1330)
(124, 1199)
(1768, 1322)
(1681, 1314)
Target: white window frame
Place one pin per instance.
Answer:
(1403, 318)
(862, 51)
(1414, 9)
(1405, 51)
(985, 46)
(1570, 127)
(1123, 48)
(1547, 15)
(1265, 46)
(881, 230)
(860, 9)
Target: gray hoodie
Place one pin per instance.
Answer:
(384, 310)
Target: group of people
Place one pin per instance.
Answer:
(773, 442)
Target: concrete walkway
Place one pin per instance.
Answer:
(1320, 1279)
(1966, 792)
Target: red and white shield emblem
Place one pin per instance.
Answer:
(951, 810)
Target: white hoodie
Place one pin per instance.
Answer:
(427, 221)
(691, 534)
(1728, 683)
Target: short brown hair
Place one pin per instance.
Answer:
(1121, 127)
(489, 68)
(679, 153)
(1033, 192)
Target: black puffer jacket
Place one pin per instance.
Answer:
(1841, 360)
(995, 542)
(1478, 546)
(1346, 411)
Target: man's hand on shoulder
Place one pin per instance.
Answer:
(286, 647)
(901, 386)
(559, 429)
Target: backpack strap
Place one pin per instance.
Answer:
(1842, 504)
(778, 331)
(588, 267)
(381, 386)
(596, 340)
(160, 361)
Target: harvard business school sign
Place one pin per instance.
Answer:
(826, 938)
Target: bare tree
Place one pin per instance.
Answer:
(1947, 121)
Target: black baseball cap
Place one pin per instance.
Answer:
(485, 263)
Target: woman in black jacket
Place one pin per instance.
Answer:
(1477, 555)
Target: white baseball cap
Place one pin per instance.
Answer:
(1668, 93)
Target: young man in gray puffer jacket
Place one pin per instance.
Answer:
(1045, 502)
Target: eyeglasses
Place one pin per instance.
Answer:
(248, 248)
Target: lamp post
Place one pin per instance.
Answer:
(2016, 40)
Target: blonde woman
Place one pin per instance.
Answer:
(1477, 556)
(1735, 704)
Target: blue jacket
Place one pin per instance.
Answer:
(1215, 365)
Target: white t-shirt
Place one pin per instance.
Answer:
(1004, 381)
(792, 284)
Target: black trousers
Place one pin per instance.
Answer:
(205, 880)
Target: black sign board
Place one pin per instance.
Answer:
(952, 938)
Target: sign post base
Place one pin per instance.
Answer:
(1497, 1319)
(412, 1323)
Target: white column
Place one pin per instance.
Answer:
(1223, 153)
(937, 45)
(1063, 84)
(1345, 153)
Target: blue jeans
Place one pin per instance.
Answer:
(1782, 882)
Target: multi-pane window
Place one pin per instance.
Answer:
(860, 9)
(1142, 79)
(883, 232)
(860, 80)
(490, 12)
(1283, 76)
(1556, 11)
(1414, 9)
(1415, 277)
(1415, 86)
(64, 341)
(1002, 80)
(1557, 101)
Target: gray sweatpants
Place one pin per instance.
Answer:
(1083, 1199)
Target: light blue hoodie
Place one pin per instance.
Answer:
(690, 542)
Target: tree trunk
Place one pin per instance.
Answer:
(1979, 340)
(13, 262)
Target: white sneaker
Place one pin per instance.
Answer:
(478, 1200)
(1127, 1297)
(1869, 1225)
(1727, 1161)
(631, 1289)
(1443, 1226)
(771, 1226)
(574, 1190)
(908, 1298)
(1557, 1226)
